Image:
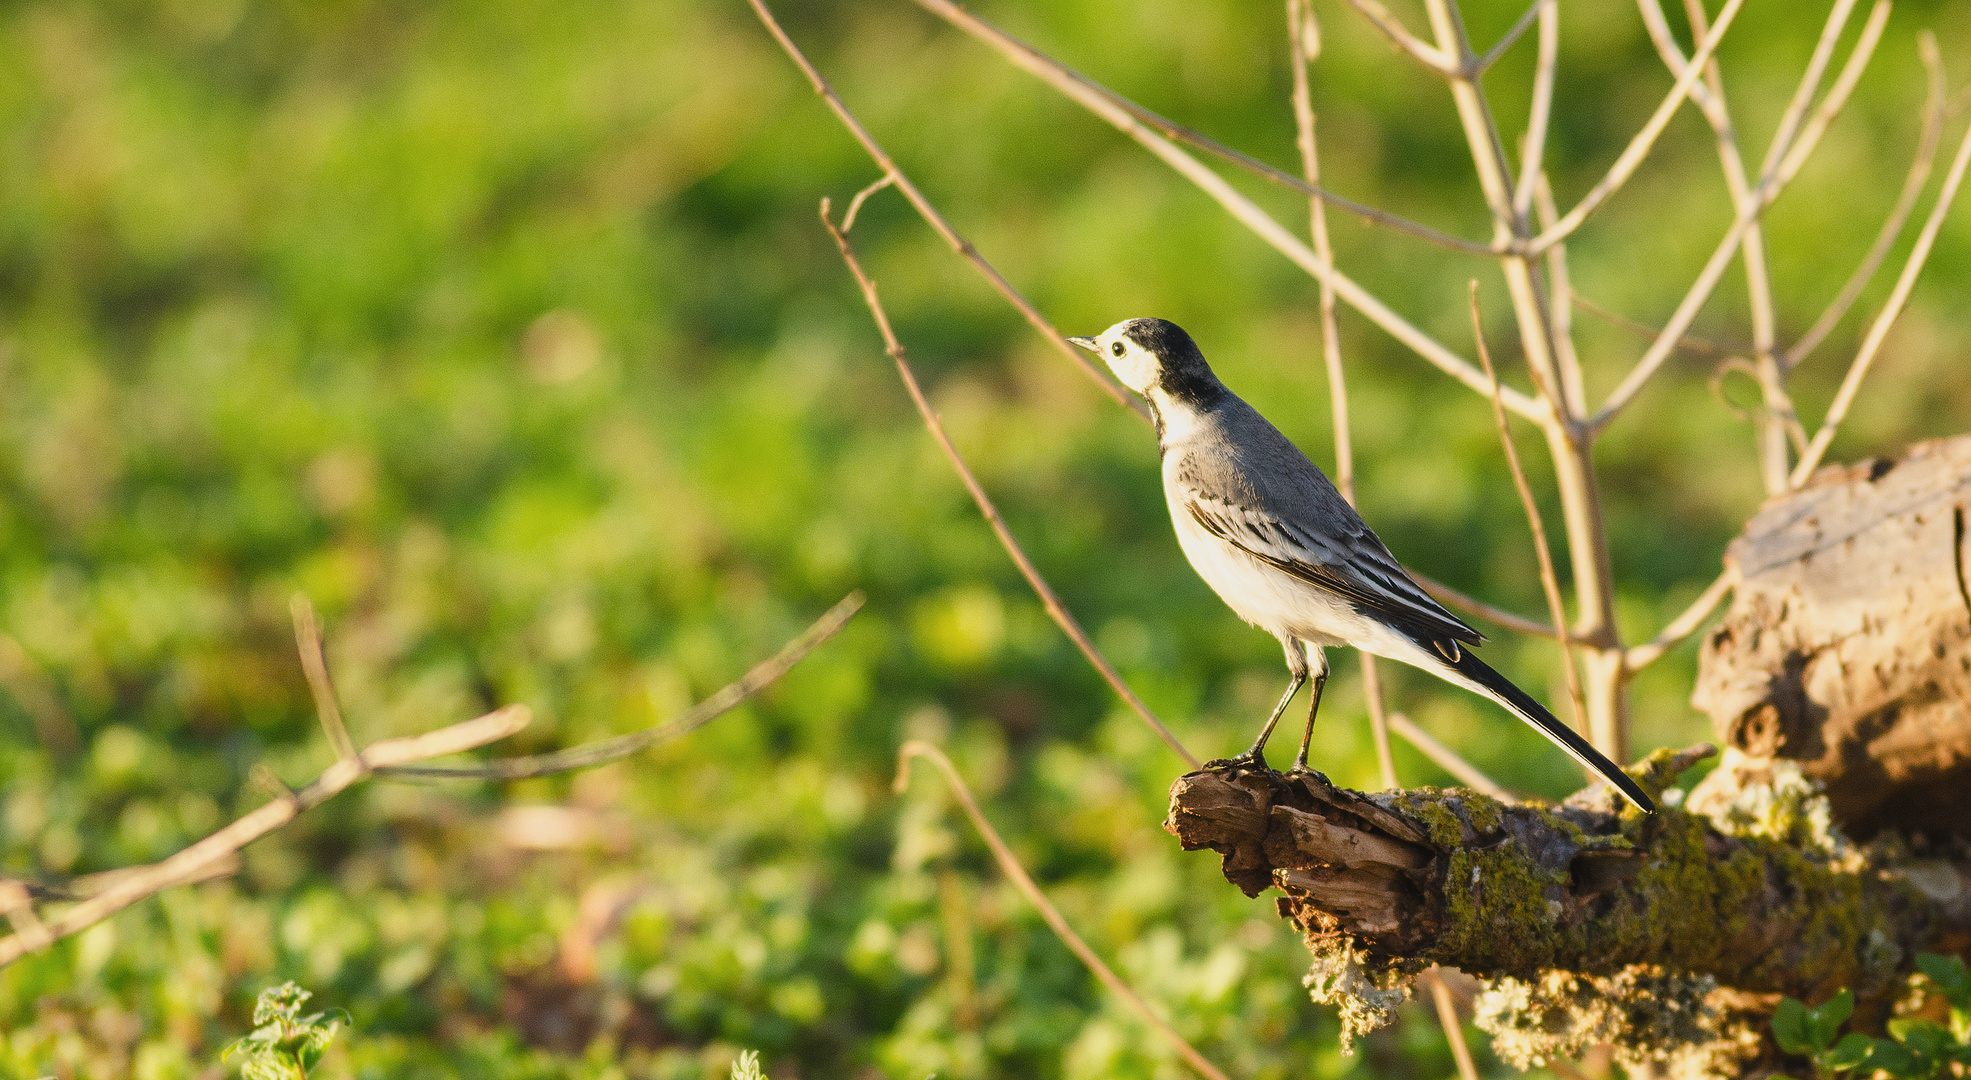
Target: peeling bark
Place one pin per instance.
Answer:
(1762, 897)
(1847, 647)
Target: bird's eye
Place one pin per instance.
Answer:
(1116, 349)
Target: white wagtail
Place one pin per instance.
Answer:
(1267, 531)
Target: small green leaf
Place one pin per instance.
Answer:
(1891, 1058)
(1790, 1027)
(1946, 971)
(1824, 1023)
(1923, 1037)
(1847, 1054)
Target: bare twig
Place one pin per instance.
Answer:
(1892, 227)
(943, 227)
(1465, 602)
(1017, 874)
(1104, 105)
(1639, 147)
(314, 663)
(1549, 582)
(1681, 627)
(1837, 95)
(228, 841)
(1447, 759)
(1879, 330)
(1690, 343)
(1447, 1014)
(590, 755)
(855, 204)
(1538, 10)
(1533, 146)
(1048, 599)
(1423, 52)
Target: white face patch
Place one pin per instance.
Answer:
(1136, 368)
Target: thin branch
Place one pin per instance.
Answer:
(314, 663)
(1447, 1014)
(1549, 581)
(1681, 627)
(1492, 55)
(1560, 303)
(1520, 624)
(1837, 96)
(855, 204)
(1048, 599)
(1303, 38)
(1103, 104)
(1447, 759)
(1639, 147)
(1918, 177)
(590, 755)
(257, 823)
(1533, 146)
(1689, 343)
(1010, 866)
(1879, 331)
(943, 227)
(1392, 28)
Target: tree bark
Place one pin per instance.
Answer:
(1679, 927)
(1847, 647)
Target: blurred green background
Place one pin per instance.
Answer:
(506, 332)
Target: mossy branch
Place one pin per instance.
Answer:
(1763, 897)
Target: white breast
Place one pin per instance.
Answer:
(1278, 603)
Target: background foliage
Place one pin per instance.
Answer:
(505, 330)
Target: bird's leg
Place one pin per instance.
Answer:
(1313, 707)
(1255, 754)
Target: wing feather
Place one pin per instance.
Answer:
(1354, 566)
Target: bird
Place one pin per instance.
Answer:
(1264, 527)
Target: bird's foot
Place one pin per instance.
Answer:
(1251, 759)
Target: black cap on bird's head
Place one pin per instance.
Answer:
(1155, 357)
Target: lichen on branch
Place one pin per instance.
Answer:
(1383, 885)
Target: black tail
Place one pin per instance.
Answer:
(1536, 714)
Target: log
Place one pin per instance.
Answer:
(1759, 900)
(1847, 646)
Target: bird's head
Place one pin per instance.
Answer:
(1155, 358)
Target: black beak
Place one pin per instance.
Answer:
(1088, 343)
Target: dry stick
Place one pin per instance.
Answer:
(1837, 95)
(1689, 343)
(228, 841)
(1369, 214)
(1768, 190)
(1499, 616)
(1028, 570)
(1428, 55)
(1892, 227)
(314, 663)
(1560, 303)
(1484, 63)
(1779, 421)
(1011, 867)
(1103, 103)
(1681, 627)
(1447, 1014)
(1872, 344)
(1302, 41)
(1639, 147)
(1533, 146)
(590, 755)
(938, 223)
(1447, 759)
(1549, 582)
